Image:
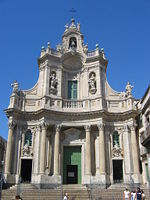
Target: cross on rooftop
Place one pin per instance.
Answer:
(72, 11)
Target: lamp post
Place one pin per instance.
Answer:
(1, 178)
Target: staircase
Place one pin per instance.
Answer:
(76, 192)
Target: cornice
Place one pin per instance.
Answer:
(70, 116)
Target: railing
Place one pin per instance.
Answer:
(72, 104)
(91, 53)
(76, 105)
(54, 51)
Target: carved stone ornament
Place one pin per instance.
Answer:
(27, 151)
(117, 152)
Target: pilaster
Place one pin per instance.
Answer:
(88, 150)
(43, 148)
(56, 150)
(9, 150)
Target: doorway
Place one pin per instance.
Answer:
(117, 171)
(72, 165)
(72, 174)
(26, 169)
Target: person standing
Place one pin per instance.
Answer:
(126, 194)
(143, 195)
(138, 195)
(133, 193)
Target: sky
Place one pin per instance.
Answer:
(121, 27)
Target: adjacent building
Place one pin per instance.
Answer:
(144, 133)
(3, 144)
(72, 127)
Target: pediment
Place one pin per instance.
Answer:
(72, 131)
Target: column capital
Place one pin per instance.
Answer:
(11, 124)
(133, 127)
(125, 128)
(44, 125)
(58, 127)
(87, 127)
(101, 126)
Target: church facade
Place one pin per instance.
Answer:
(72, 127)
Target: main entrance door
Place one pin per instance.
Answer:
(26, 169)
(72, 165)
(117, 171)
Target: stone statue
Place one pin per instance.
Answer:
(92, 84)
(53, 83)
(92, 81)
(78, 26)
(15, 86)
(85, 48)
(129, 89)
(66, 26)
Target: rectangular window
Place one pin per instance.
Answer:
(72, 89)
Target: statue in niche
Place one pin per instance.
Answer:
(129, 89)
(92, 83)
(73, 43)
(53, 82)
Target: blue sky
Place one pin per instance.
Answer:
(122, 27)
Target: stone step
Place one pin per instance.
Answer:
(76, 192)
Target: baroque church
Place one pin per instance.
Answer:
(72, 127)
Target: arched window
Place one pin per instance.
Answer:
(28, 138)
(116, 141)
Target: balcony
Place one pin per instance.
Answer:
(145, 136)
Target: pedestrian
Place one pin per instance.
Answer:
(143, 195)
(18, 197)
(126, 194)
(66, 197)
(133, 193)
(138, 195)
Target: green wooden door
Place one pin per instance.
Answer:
(72, 156)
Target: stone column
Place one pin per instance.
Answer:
(102, 159)
(134, 151)
(88, 150)
(43, 149)
(9, 150)
(56, 150)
